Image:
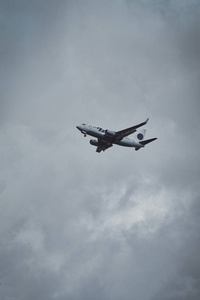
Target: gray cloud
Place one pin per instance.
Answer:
(122, 224)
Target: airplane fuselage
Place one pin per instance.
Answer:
(101, 134)
(106, 138)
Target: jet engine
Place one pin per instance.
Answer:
(94, 142)
(109, 132)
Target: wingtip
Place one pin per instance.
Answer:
(147, 120)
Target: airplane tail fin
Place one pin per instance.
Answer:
(143, 143)
(141, 135)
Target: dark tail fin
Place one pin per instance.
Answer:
(147, 141)
(143, 143)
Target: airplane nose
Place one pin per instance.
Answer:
(78, 127)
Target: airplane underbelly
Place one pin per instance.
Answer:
(95, 134)
(126, 143)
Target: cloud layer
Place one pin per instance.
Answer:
(117, 225)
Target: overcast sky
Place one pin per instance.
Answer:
(122, 224)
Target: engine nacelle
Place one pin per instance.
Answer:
(109, 133)
(94, 142)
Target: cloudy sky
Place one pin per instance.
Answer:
(75, 224)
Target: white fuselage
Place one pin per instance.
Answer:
(100, 133)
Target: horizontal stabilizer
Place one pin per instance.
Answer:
(147, 141)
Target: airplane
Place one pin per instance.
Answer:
(106, 138)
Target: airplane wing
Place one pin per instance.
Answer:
(103, 145)
(125, 132)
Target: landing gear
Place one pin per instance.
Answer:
(85, 135)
